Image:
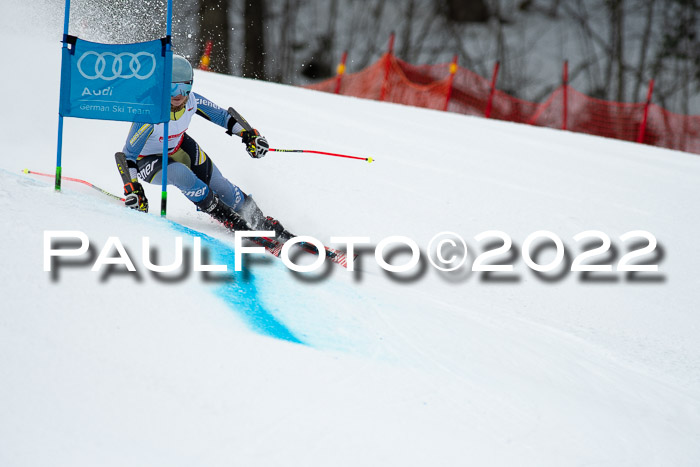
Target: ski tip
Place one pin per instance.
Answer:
(26, 171)
(370, 160)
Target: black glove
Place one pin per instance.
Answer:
(255, 145)
(135, 197)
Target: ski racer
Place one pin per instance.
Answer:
(189, 168)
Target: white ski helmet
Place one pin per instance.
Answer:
(182, 78)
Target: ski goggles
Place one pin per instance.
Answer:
(180, 89)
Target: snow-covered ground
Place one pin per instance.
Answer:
(266, 367)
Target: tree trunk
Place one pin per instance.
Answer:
(460, 11)
(615, 66)
(214, 26)
(254, 60)
(619, 43)
(643, 48)
(405, 50)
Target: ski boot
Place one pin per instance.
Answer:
(222, 212)
(251, 213)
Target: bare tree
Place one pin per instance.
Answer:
(643, 49)
(373, 18)
(615, 65)
(287, 41)
(614, 47)
(406, 42)
(460, 11)
(254, 58)
(680, 51)
(319, 64)
(214, 26)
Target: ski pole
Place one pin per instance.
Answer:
(246, 126)
(77, 180)
(368, 159)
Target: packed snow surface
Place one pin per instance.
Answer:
(270, 367)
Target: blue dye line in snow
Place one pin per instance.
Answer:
(240, 294)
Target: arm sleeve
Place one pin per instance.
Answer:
(136, 140)
(215, 114)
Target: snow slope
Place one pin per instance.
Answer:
(266, 367)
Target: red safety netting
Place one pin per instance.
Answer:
(431, 86)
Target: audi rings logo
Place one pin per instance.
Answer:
(125, 65)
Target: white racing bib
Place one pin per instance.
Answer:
(176, 130)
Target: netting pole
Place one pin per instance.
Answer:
(340, 72)
(450, 84)
(387, 68)
(684, 134)
(492, 91)
(643, 125)
(565, 90)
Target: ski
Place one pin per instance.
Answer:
(274, 247)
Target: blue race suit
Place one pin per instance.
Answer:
(189, 168)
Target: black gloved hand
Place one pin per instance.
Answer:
(135, 197)
(255, 145)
